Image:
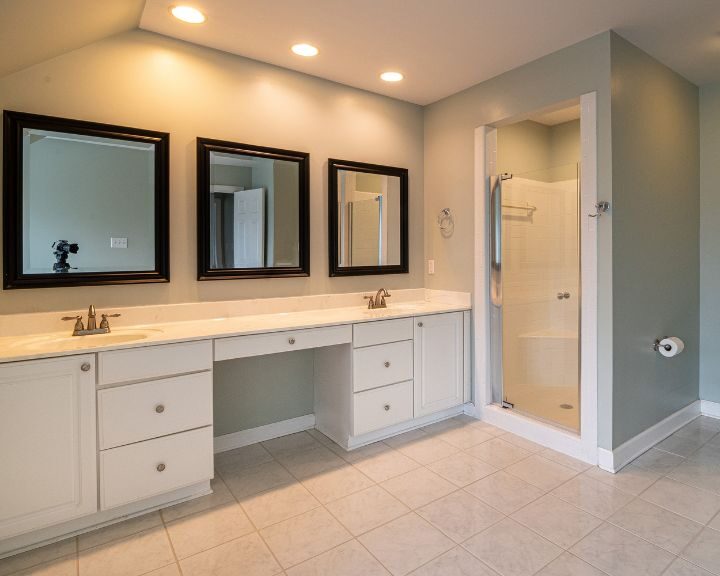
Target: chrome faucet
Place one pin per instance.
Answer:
(378, 301)
(92, 328)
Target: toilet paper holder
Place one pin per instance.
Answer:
(657, 345)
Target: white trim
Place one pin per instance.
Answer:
(615, 460)
(585, 445)
(708, 408)
(262, 433)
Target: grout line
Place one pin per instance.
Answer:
(172, 546)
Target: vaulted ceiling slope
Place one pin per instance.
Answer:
(35, 30)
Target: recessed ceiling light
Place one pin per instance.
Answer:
(188, 14)
(304, 50)
(391, 76)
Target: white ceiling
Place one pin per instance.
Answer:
(35, 30)
(443, 46)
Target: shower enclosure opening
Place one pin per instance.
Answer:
(535, 269)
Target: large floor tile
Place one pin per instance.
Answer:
(385, 464)
(523, 443)
(657, 525)
(692, 503)
(279, 504)
(406, 438)
(406, 544)
(309, 463)
(456, 562)
(290, 444)
(66, 566)
(498, 452)
(428, 449)
(462, 469)
(460, 515)
(303, 537)
(221, 495)
(682, 567)
(619, 553)
(131, 556)
(702, 434)
(362, 453)
(658, 461)
(705, 550)
(204, 530)
(631, 479)
(511, 549)
(248, 556)
(561, 523)
(251, 455)
(601, 500)
(349, 559)
(715, 523)
(565, 460)
(699, 472)
(38, 556)
(246, 481)
(336, 483)
(465, 436)
(680, 445)
(169, 570)
(119, 530)
(418, 487)
(541, 472)
(504, 492)
(569, 565)
(367, 509)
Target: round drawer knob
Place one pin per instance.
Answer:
(387, 364)
(420, 324)
(85, 367)
(159, 408)
(387, 407)
(291, 340)
(160, 467)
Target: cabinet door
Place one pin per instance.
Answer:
(48, 459)
(439, 374)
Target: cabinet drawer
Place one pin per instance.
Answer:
(382, 331)
(376, 409)
(150, 409)
(286, 341)
(137, 471)
(376, 366)
(132, 364)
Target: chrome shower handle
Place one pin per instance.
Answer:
(602, 207)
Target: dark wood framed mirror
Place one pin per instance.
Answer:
(84, 203)
(253, 206)
(367, 218)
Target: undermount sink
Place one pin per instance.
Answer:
(119, 336)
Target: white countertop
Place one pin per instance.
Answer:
(52, 344)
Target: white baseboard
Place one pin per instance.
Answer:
(262, 433)
(615, 460)
(711, 409)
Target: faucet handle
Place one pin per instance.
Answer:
(371, 302)
(78, 322)
(104, 322)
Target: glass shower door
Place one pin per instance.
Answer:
(535, 294)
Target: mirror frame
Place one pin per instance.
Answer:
(334, 166)
(13, 277)
(207, 145)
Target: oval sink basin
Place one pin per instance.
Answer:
(55, 341)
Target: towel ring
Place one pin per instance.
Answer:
(445, 219)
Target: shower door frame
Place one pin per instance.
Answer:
(585, 445)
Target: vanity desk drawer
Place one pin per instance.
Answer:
(382, 332)
(138, 471)
(376, 409)
(147, 410)
(133, 364)
(286, 341)
(375, 366)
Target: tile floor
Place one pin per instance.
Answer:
(455, 498)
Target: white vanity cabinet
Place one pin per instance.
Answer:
(47, 443)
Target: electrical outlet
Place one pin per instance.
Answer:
(118, 242)
(431, 267)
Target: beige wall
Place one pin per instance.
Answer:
(145, 80)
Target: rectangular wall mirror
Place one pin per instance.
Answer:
(368, 218)
(253, 211)
(84, 203)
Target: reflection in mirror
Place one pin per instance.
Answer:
(86, 203)
(368, 219)
(252, 205)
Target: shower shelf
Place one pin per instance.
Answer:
(528, 207)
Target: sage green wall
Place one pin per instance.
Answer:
(251, 392)
(449, 171)
(710, 242)
(655, 245)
